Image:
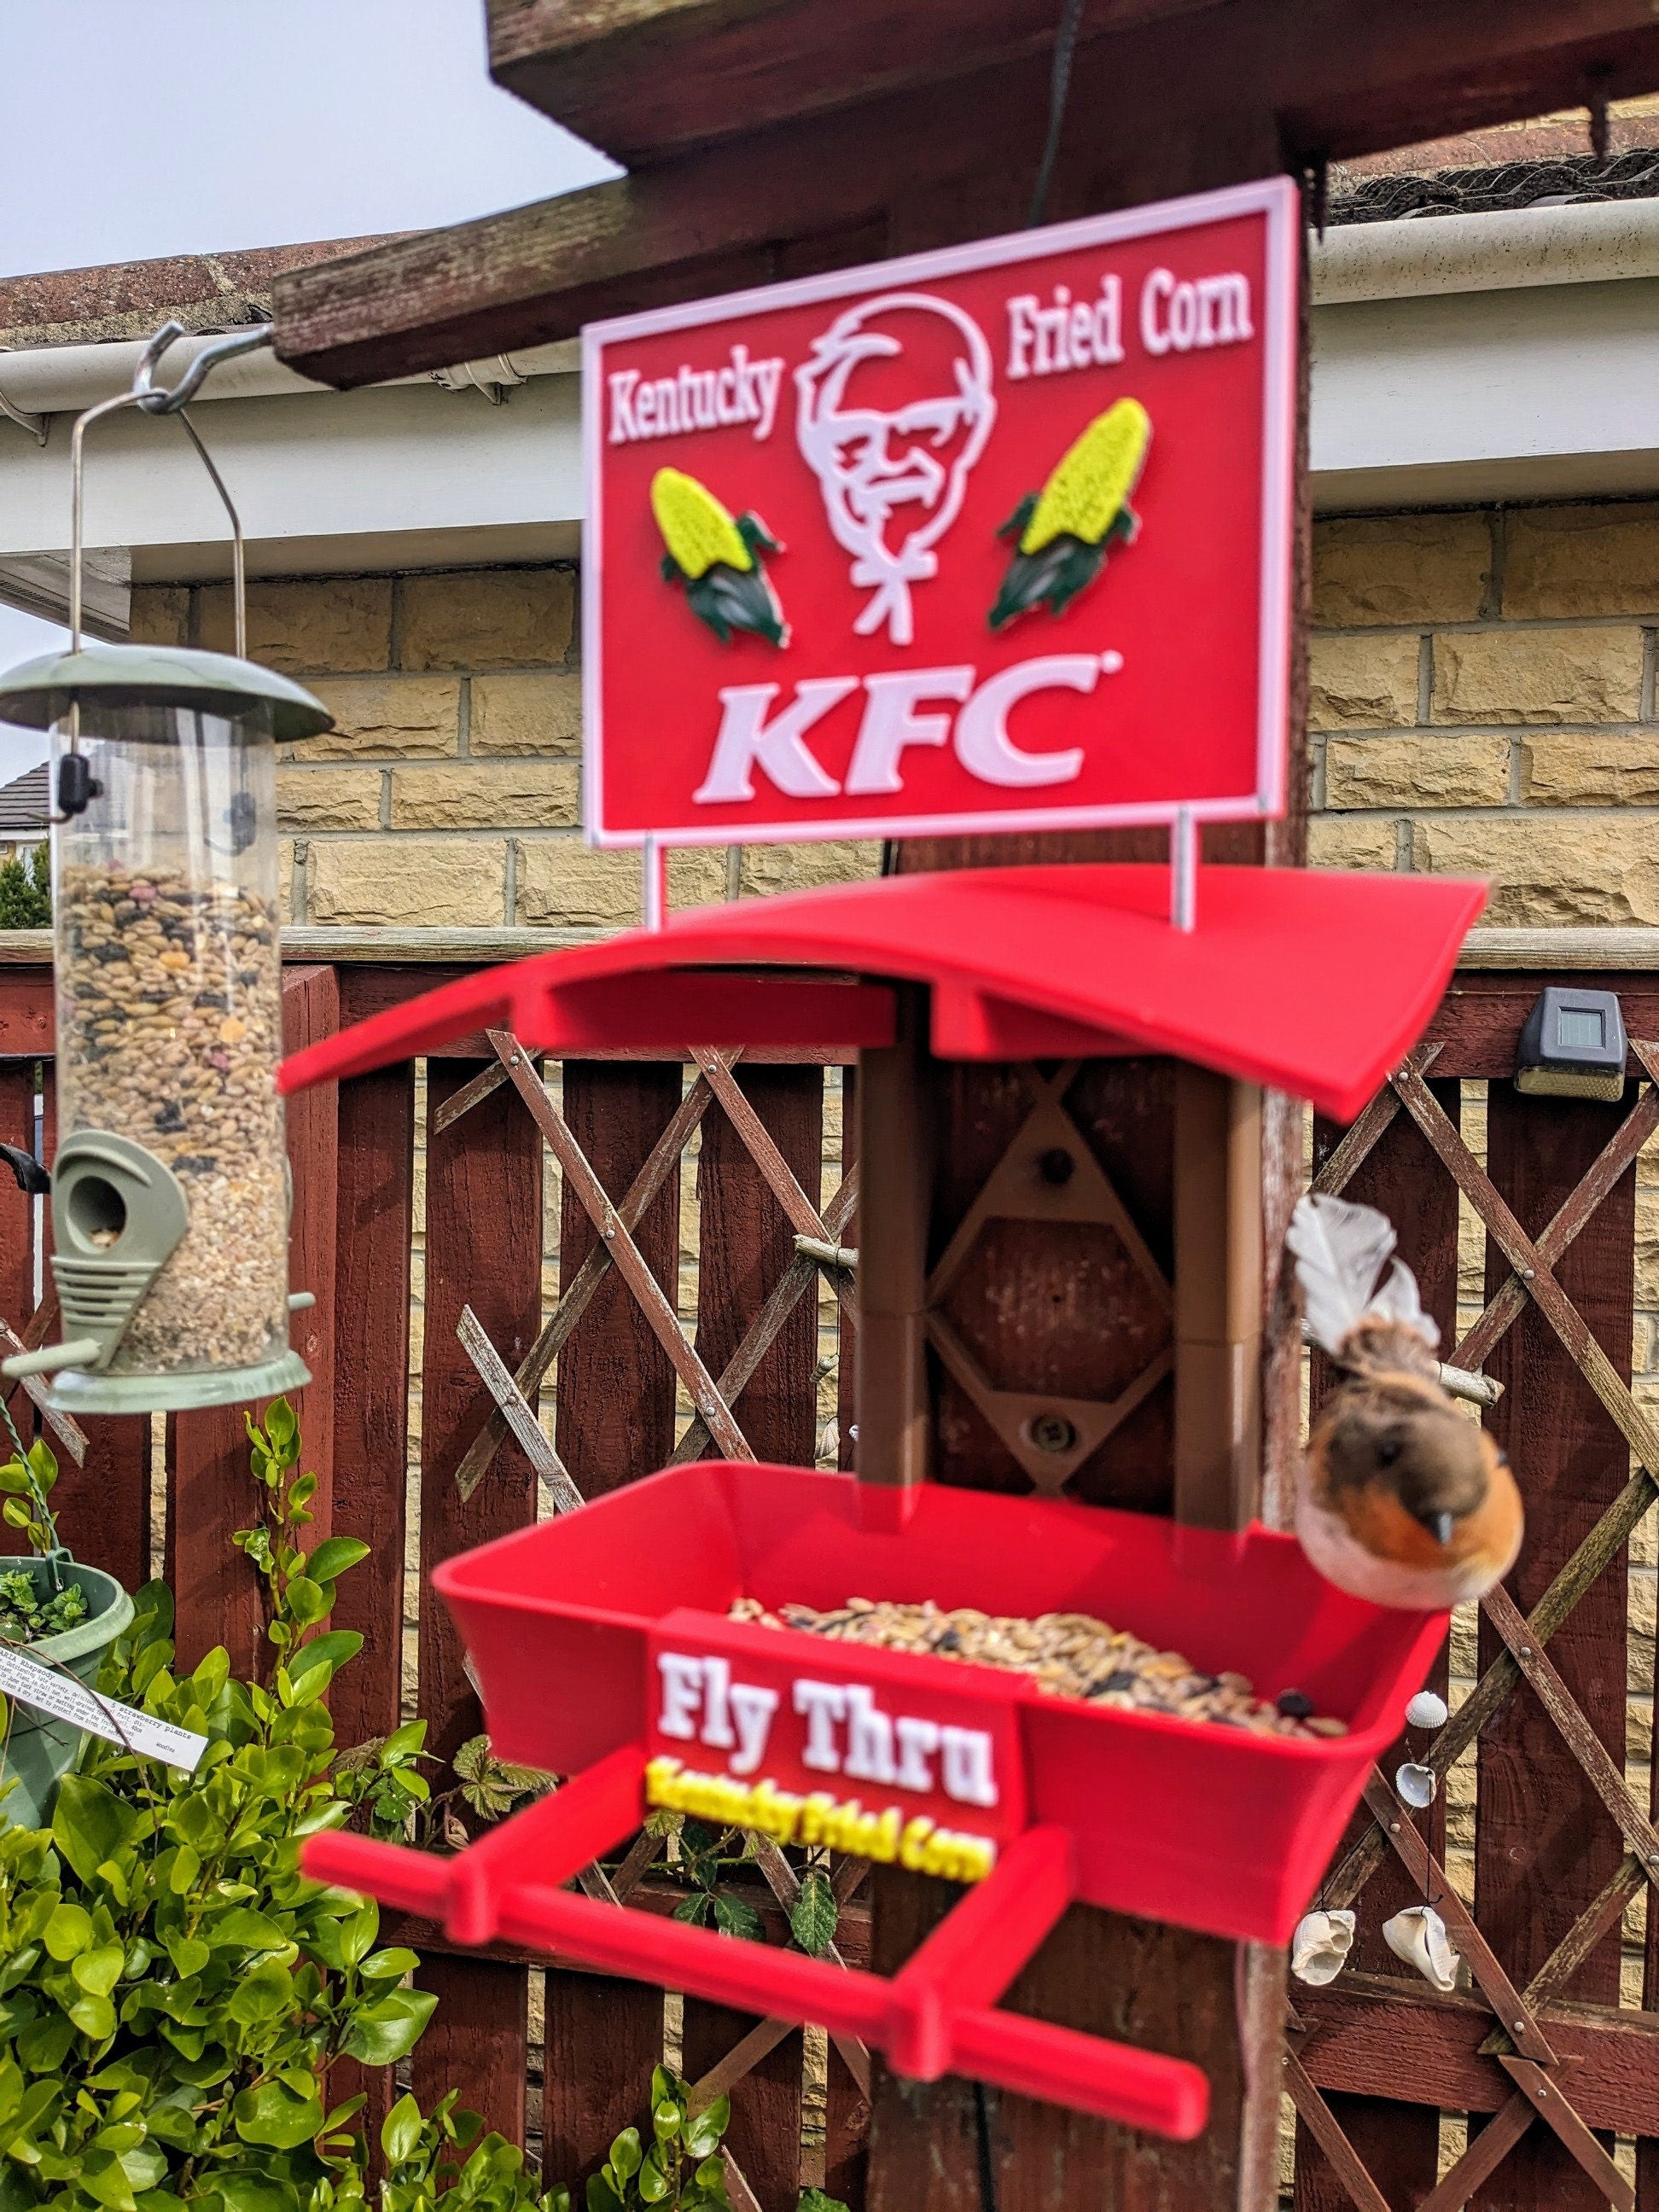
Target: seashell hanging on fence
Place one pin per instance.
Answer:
(1427, 1711)
(1419, 1936)
(1321, 1945)
(1415, 1783)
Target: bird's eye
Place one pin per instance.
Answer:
(1388, 1451)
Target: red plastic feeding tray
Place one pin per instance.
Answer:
(603, 1650)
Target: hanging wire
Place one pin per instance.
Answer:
(18, 1445)
(1060, 85)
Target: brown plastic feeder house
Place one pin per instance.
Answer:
(939, 981)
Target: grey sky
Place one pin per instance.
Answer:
(131, 128)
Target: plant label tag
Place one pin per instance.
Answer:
(66, 1699)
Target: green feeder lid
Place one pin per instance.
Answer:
(41, 692)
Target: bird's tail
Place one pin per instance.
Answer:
(1341, 1251)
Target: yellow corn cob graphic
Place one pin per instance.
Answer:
(1061, 533)
(714, 558)
(1094, 478)
(695, 528)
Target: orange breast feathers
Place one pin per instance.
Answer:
(1402, 1498)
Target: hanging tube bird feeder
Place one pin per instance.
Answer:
(170, 1192)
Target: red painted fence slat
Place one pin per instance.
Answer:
(1545, 1845)
(484, 1222)
(1399, 2145)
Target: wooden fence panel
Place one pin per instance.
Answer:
(16, 1212)
(1545, 1846)
(615, 1385)
(484, 1249)
(846, 2134)
(601, 2040)
(1399, 2145)
(375, 1221)
(477, 2040)
(615, 1422)
(847, 1364)
(311, 1011)
(745, 1243)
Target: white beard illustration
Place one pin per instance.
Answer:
(878, 468)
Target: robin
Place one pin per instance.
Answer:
(1402, 1499)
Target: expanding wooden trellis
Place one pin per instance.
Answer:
(1535, 2086)
(1375, 2059)
(715, 1420)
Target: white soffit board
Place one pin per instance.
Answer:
(1542, 392)
(415, 475)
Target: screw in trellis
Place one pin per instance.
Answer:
(169, 1192)
(1051, 1432)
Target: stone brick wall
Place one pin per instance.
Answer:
(1483, 704)
(450, 792)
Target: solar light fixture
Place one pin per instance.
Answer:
(1573, 1046)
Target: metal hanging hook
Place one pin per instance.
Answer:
(155, 399)
(75, 788)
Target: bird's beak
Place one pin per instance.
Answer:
(1441, 1525)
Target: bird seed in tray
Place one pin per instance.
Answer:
(1067, 1655)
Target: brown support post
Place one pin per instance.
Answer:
(947, 2147)
(895, 1153)
(1218, 1299)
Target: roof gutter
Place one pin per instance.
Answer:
(1601, 241)
(59, 379)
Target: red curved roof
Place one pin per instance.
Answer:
(1313, 982)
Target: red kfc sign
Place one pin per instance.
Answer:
(994, 538)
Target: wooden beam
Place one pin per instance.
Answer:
(645, 79)
(1162, 108)
(1376, 2036)
(1602, 953)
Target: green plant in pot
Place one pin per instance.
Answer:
(62, 1614)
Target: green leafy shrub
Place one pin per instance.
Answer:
(26, 891)
(679, 2168)
(25, 1616)
(27, 1482)
(173, 1996)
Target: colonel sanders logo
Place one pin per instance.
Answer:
(894, 409)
